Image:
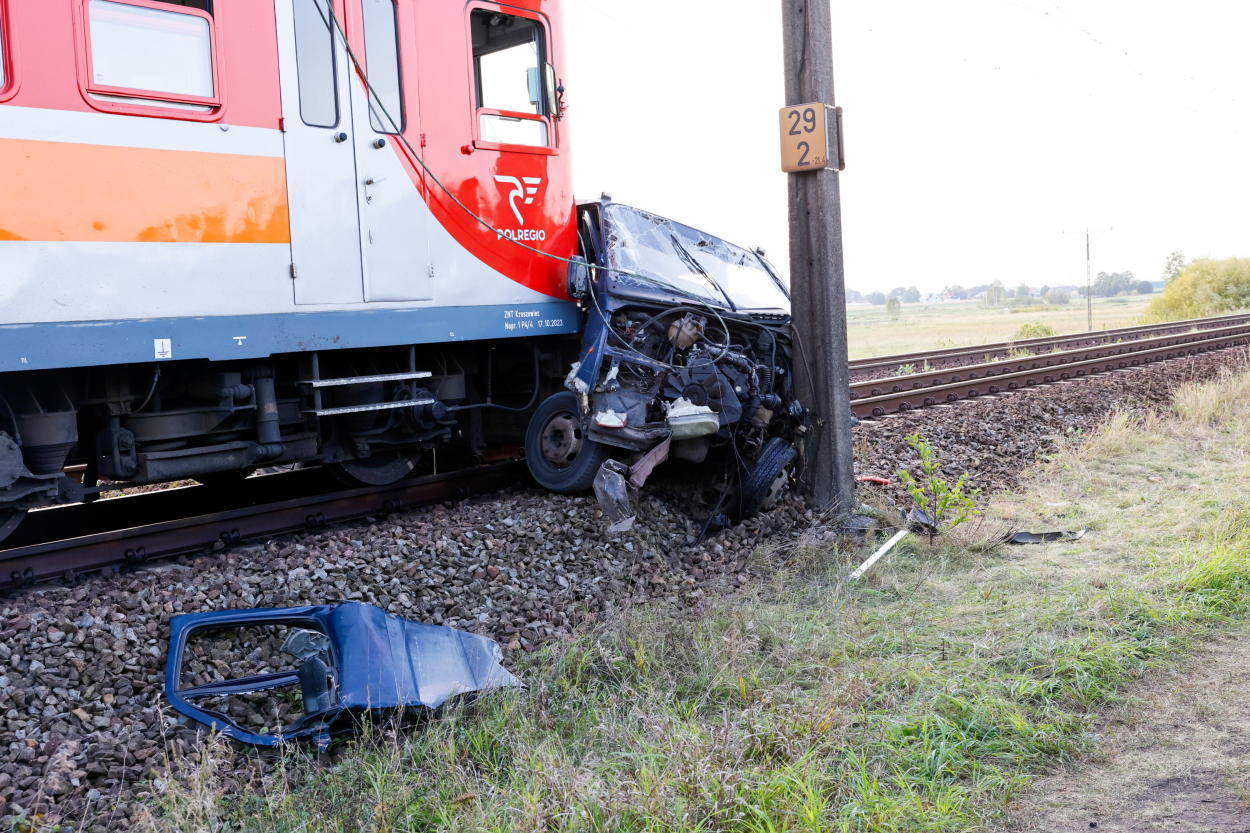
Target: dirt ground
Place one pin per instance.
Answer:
(1175, 759)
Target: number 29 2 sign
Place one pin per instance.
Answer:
(809, 140)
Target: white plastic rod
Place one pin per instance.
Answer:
(876, 556)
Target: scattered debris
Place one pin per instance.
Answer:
(868, 478)
(860, 525)
(877, 556)
(1044, 537)
(640, 471)
(612, 491)
(920, 521)
(352, 661)
(613, 483)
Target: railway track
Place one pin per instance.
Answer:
(898, 394)
(64, 543)
(890, 365)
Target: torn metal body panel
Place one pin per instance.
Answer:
(350, 661)
(687, 341)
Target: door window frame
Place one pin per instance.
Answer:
(399, 70)
(553, 135)
(334, 71)
(141, 105)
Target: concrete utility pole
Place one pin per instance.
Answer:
(817, 281)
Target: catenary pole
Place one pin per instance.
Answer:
(1089, 291)
(817, 282)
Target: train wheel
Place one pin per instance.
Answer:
(769, 476)
(10, 520)
(381, 469)
(559, 454)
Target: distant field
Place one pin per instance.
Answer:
(968, 323)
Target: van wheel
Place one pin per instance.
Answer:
(769, 477)
(559, 454)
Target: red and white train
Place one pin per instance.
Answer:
(242, 233)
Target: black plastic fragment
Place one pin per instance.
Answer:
(921, 522)
(1044, 537)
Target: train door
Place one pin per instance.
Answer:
(320, 156)
(393, 215)
(358, 222)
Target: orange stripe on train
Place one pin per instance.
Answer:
(60, 191)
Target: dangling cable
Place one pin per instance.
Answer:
(380, 109)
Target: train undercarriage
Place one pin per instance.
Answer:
(371, 416)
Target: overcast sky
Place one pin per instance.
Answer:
(983, 136)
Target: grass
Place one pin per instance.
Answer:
(919, 700)
(871, 332)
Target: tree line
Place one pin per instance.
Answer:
(996, 294)
(1212, 285)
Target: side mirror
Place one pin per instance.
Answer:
(555, 93)
(578, 285)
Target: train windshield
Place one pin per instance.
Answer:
(688, 261)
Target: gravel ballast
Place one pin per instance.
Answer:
(84, 730)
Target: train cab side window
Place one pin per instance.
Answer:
(314, 57)
(386, 104)
(149, 55)
(509, 56)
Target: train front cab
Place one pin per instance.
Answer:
(238, 234)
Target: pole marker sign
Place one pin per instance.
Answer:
(811, 138)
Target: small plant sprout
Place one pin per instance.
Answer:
(905, 369)
(947, 504)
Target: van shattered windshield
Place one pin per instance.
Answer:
(690, 261)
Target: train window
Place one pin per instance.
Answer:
(509, 54)
(314, 47)
(386, 106)
(142, 48)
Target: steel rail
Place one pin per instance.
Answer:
(115, 549)
(933, 378)
(984, 352)
(911, 399)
